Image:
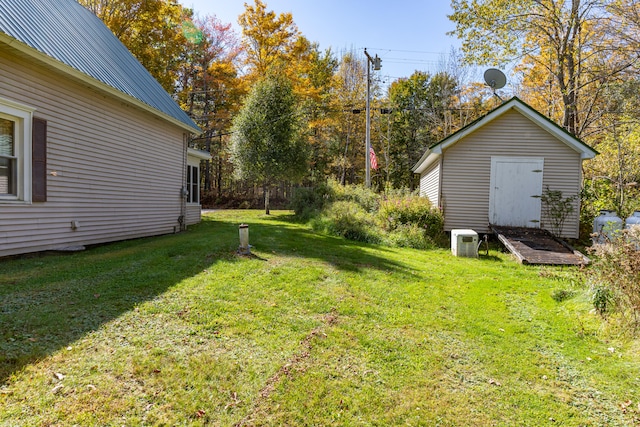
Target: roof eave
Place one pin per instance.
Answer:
(198, 154)
(426, 160)
(103, 87)
(585, 151)
(573, 142)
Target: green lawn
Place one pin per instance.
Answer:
(310, 330)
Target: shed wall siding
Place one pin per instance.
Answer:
(466, 170)
(430, 183)
(111, 167)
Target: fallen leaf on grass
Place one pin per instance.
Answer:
(494, 382)
(58, 376)
(201, 413)
(57, 389)
(625, 405)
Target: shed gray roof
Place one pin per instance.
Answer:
(67, 32)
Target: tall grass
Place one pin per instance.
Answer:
(360, 214)
(615, 277)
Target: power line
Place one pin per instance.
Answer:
(408, 51)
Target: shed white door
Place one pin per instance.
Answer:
(515, 191)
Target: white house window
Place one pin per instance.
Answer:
(193, 184)
(15, 152)
(7, 158)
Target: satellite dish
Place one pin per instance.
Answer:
(495, 78)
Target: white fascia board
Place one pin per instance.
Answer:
(535, 117)
(585, 152)
(198, 154)
(427, 159)
(453, 139)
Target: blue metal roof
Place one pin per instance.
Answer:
(67, 32)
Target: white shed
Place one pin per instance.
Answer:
(494, 171)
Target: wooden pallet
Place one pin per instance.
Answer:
(538, 246)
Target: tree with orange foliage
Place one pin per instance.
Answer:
(150, 29)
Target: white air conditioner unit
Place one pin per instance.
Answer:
(464, 243)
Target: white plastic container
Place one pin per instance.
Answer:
(606, 226)
(464, 243)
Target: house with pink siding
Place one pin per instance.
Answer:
(494, 171)
(92, 149)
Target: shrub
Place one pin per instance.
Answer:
(557, 208)
(560, 295)
(366, 198)
(309, 201)
(601, 299)
(348, 219)
(616, 275)
(358, 213)
(409, 236)
(395, 212)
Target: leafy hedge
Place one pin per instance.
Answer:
(348, 219)
(360, 214)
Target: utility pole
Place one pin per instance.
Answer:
(367, 156)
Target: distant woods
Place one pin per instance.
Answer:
(575, 61)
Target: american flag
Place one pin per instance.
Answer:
(373, 158)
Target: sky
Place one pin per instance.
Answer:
(408, 35)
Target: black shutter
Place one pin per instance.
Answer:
(39, 160)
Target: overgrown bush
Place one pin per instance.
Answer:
(348, 219)
(615, 275)
(358, 213)
(409, 236)
(366, 198)
(396, 212)
(307, 202)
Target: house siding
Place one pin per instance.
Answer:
(113, 168)
(194, 213)
(466, 170)
(430, 183)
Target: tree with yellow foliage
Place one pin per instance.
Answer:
(567, 49)
(152, 30)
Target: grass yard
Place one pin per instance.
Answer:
(310, 330)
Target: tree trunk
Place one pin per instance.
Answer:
(266, 200)
(219, 173)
